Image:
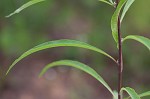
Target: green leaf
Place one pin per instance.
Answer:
(145, 94)
(114, 20)
(115, 94)
(126, 8)
(145, 41)
(131, 92)
(80, 66)
(26, 5)
(110, 3)
(59, 43)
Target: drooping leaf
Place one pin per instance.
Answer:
(105, 1)
(131, 92)
(126, 8)
(59, 43)
(145, 94)
(26, 5)
(80, 66)
(145, 41)
(114, 20)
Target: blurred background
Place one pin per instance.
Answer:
(84, 20)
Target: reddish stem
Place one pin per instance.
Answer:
(120, 61)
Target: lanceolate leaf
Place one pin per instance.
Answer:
(80, 66)
(126, 8)
(26, 5)
(114, 20)
(59, 43)
(145, 41)
(105, 1)
(131, 92)
(145, 94)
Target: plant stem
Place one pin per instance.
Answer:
(120, 61)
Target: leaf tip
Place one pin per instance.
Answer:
(6, 73)
(41, 74)
(8, 15)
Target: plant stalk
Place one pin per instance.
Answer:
(120, 60)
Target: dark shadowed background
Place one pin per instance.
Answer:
(84, 20)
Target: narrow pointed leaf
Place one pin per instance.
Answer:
(126, 8)
(59, 43)
(106, 2)
(145, 41)
(131, 92)
(114, 20)
(145, 94)
(79, 66)
(26, 5)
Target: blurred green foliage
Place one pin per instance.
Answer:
(85, 20)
